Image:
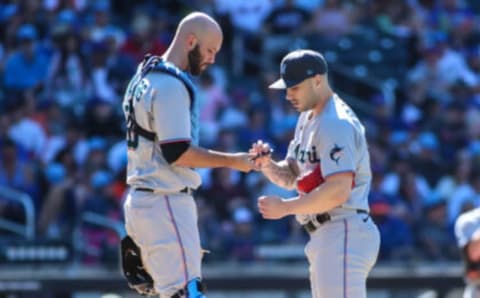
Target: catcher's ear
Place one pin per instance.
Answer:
(192, 42)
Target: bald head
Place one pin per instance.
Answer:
(200, 24)
(197, 41)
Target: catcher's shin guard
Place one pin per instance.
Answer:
(194, 289)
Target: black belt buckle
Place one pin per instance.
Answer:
(321, 219)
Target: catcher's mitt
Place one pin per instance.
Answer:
(133, 270)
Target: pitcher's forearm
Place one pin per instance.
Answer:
(280, 173)
(334, 192)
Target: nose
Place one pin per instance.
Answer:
(211, 59)
(288, 95)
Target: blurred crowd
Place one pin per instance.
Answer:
(64, 65)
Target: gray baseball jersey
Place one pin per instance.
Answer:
(335, 141)
(161, 105)
(467, 228)
(163, 222)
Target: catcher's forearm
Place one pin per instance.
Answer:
(280, 173)
(197, 157)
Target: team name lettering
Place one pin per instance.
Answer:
(306, 155)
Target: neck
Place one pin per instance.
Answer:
(175, 55)
(322, 102)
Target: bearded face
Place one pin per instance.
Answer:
(195, 61)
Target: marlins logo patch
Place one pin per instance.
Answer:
(336, 153)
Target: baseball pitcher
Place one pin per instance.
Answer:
(467, 231)
(328, 163)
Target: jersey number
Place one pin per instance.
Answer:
(135, 91)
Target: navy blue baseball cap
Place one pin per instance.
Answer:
(298, 66)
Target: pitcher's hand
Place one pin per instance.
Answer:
(260, 153)
(272, 207)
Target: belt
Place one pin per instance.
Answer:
(322, 218)
(186, 190)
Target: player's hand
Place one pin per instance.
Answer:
(260, 154)
(243, 163)
(272, 207)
